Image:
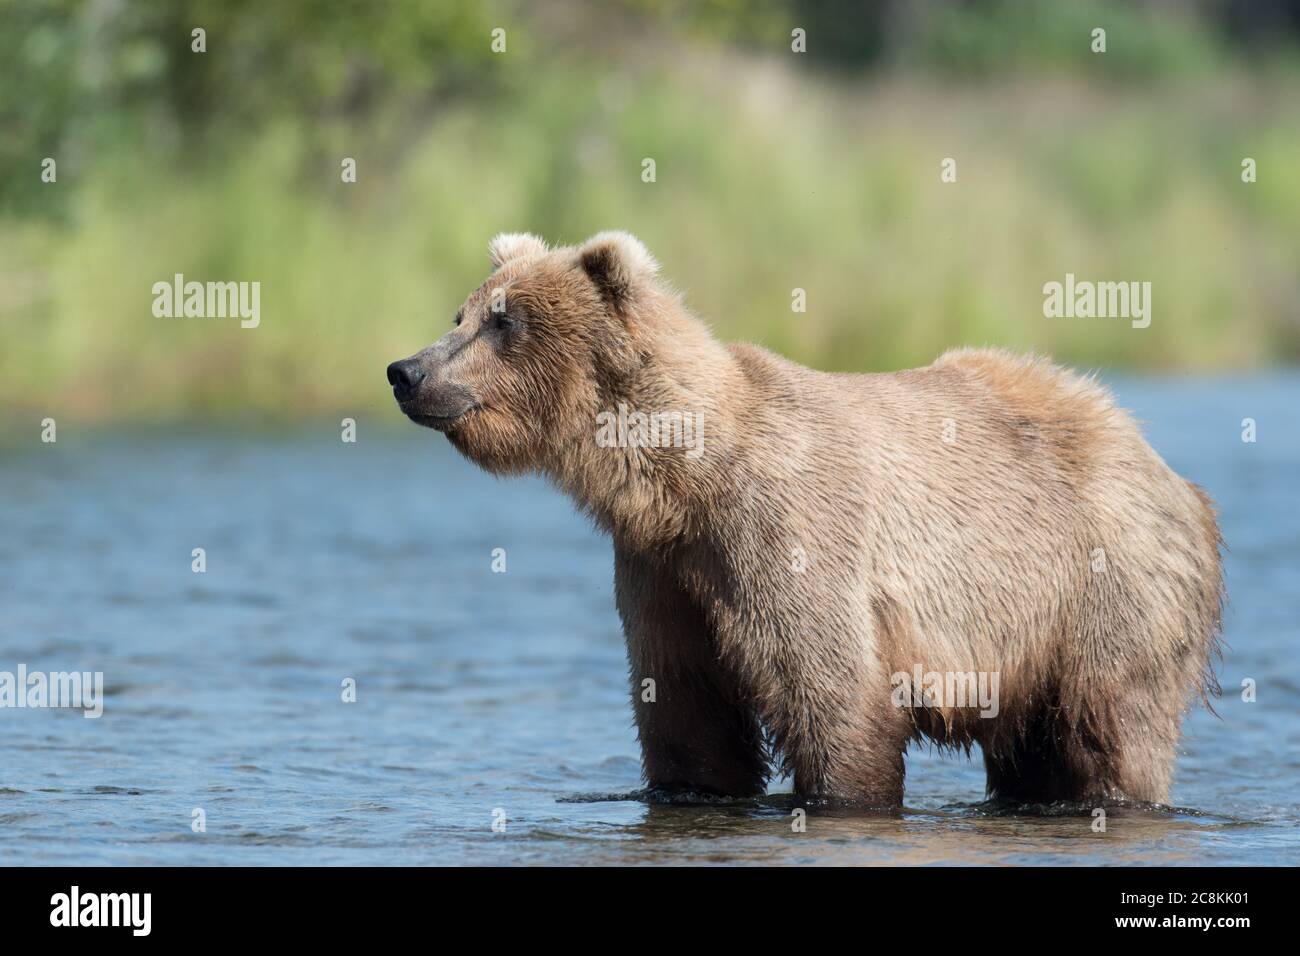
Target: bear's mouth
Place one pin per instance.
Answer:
(440, 423)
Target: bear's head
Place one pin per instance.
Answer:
(534, 352)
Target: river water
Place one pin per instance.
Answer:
(487, 697)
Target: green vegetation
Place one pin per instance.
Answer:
(772, 174)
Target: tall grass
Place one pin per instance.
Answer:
(767, 181)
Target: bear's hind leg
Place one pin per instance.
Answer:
(1044, 763)
(1090, 759)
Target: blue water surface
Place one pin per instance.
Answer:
(484, 696)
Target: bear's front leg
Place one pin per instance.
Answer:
(697, 733)
(845, 756)
(814, 668)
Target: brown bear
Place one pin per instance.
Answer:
(791, 546)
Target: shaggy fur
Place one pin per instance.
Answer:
(838, 529)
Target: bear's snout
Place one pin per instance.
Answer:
(405, 375)
(426, 393)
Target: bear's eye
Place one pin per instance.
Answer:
(502, 321)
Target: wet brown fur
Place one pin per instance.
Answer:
(974, 554)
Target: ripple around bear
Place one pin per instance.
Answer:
(989, 514)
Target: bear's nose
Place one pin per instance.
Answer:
(405, 377)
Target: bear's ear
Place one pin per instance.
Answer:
(514, 245)
(616, 261)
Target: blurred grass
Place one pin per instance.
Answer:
(769, 177)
